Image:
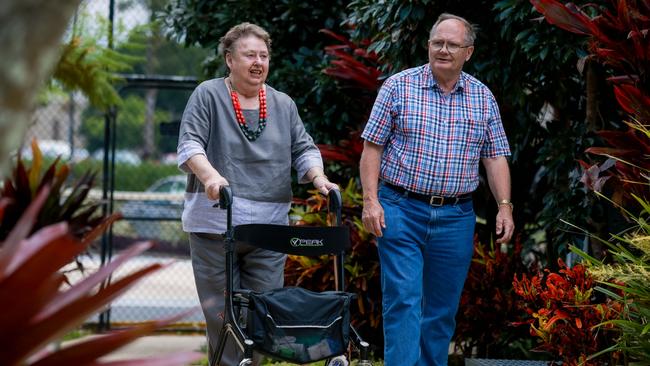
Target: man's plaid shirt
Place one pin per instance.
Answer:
(433, 142)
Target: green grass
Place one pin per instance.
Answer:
(76, 334)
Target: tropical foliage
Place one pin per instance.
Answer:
(52, 306)
(90, 68)
(618, 38)
(629, 266)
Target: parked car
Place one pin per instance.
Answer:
(121, 156)
(160, 206)
(53, 149)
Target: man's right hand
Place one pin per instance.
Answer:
(212, 188)
(373, 217)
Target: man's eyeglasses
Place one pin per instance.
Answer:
(451, 47)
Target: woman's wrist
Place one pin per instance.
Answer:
(214, 181)
(319, 176)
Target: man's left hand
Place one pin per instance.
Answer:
(505, 224)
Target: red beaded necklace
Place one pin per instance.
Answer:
(250, 134)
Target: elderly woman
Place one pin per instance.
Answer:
(240, 132)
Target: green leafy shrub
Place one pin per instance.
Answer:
(146, 173)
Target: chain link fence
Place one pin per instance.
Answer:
(132, 150)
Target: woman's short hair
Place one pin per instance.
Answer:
(227, 42)
(470, 30)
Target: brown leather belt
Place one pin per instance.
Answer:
(432, 200)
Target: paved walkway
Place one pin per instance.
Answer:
(157, 345)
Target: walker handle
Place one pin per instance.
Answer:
(225, 197)
(335, 204)
(225, 202)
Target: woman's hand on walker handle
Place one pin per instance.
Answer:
(212, 187)
(323, 184)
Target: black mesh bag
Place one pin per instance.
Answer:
(298, 325)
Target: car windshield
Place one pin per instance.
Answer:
(175, 184)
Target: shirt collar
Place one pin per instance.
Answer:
(428, 81)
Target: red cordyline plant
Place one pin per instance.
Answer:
(353, 63)
(358, 69)
(619, 39)
(565, 314)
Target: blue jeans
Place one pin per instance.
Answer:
(425, 253)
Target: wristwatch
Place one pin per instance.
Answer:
(506, 203)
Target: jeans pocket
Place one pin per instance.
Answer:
(387, 194)
(465, 208)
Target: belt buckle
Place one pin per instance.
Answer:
(436, 201)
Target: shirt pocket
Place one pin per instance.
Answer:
(469, 131)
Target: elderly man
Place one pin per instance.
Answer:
(428, 129)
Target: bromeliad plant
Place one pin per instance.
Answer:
(565, 314)
(39, 306)
(43, 230)
(63, 203)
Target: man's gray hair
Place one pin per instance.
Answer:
(470, 31)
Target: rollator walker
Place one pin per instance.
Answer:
(291, 324)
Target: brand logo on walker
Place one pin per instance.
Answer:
(297, 242)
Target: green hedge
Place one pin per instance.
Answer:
(128, 177)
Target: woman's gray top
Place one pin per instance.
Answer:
(259, 171)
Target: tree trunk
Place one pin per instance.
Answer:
(593, 94)
(30, 40)
(151, 96)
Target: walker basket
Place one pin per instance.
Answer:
(298, 325)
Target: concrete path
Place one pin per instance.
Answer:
(157, 345)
